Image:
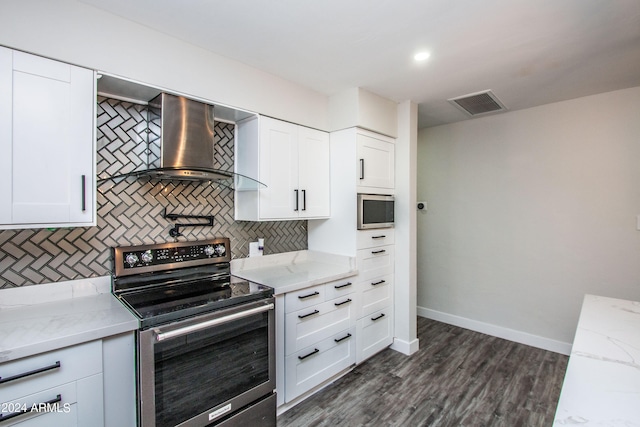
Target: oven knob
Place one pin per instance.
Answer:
(147, 257)
(208, 250)
(220, 250)
(131, 259)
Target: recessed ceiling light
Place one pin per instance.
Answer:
(421, 56)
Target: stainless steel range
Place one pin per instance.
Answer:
(206, 341)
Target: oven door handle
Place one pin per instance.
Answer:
(161, 336)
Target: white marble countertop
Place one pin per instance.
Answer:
(291, 271)
(602, 382)
(40, 318)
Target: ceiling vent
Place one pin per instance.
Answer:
(478, 103)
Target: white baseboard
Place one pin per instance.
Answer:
(497, 331)
(405, 347)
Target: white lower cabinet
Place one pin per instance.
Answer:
(62, 387)
(90, 384)
(310, 325)
(319, 335)
(375, 259)
(374, 332)
(311, 366)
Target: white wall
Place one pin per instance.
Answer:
(527, 212)
(83, 35)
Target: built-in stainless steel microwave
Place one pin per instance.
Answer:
(375, 211)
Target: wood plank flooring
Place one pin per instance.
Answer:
(457, 378)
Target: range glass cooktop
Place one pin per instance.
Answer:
(185, 299)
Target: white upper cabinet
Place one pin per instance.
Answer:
(47, 117)
(292, 161)
(376, 164)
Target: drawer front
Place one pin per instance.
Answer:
(340, 288)
(57, 367)
(304, 298)
(374, 333)
(313, 365)
(374, 262)
(375, 238)
(313, 324)
(56, 404)
(376, 294)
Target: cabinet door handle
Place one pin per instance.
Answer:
(381, 251)
(84, 193)
(378, 318)
(296, 191)
(308, 295)
(342, 286)
(308, 355)
(302, 316)
(28, 374)
(382, 236)
(377, 283)
(56, 399)
(304, 200)
(343, 338)
(361, 168)
(337, 304)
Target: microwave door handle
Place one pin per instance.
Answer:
(161, 336)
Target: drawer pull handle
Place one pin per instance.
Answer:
(343, 302)
(343, 286)
(378, 318)
(308, 355)
(56, 399)
(28, 374)
(378, 237)
(377, 283)
(343, 338)
(308, 295)
(381, 251)
(302, 316)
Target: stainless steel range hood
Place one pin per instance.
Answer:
(181, 139)
(185, 147)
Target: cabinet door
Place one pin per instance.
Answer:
(314, 173)
(374, 333)
(51, 147)
(278, 169)
(376, 162)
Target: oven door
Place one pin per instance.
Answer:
(203, 369)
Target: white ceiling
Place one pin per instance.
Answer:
(528, 52)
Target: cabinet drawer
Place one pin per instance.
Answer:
(313, 365)
(304, 298)
(56, 368)
(340, 288)
(376, 294)
(60, 400)
(374, 333)
(375, 238)
(313, 324)
(374, 262)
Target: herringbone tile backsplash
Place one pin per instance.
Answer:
(130, 211)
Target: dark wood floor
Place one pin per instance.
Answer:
(457, 378)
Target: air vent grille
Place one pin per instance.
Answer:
(478, 103)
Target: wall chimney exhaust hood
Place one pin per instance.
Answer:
(180, 135)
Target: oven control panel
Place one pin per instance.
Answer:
(164, 256)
